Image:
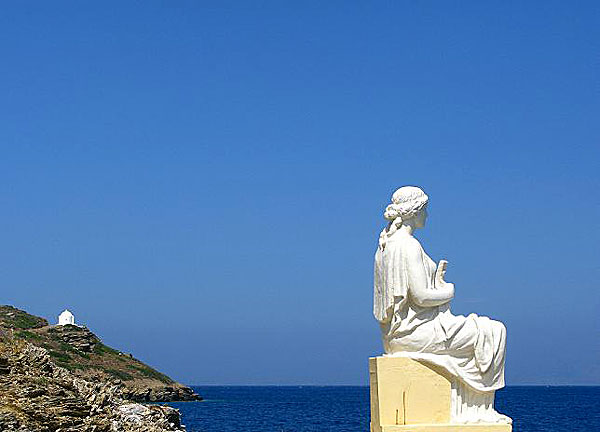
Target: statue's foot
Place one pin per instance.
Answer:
(493, 416)
(489, 416)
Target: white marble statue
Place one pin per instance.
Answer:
(412, 305)
(66, 317)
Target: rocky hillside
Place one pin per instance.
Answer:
(81, 352)
(36, 395)
(13, 318)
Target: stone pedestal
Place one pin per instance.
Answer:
(407, 395)
(447, 428)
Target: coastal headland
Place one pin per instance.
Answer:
(64, 377)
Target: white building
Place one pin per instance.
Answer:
(66, 317)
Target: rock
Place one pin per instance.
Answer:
(162, 394)
(4, 366)
(37, 395)
(79, 338)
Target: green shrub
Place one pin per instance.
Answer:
(119, 374)
(24, 334)
(102, 349)
(70, 366)
(63, 357)
(66, 347)
(152, 373)
(25, 322)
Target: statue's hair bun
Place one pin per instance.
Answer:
(392, 212)
(406, 202)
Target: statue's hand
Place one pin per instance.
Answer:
(440, 273)
(440, 283)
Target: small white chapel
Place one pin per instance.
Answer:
(66, 317)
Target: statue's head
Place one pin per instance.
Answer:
(408, 203)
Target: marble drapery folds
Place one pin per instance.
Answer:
(471, 348)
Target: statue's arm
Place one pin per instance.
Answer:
(419, 282)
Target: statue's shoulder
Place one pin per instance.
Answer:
(407, 243)
(410, 245)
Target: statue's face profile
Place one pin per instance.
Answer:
(421, 218)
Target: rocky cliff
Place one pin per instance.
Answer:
(82, 353)
(37, 395)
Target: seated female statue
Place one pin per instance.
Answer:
(412, 305)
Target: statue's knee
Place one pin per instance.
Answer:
(501, 328)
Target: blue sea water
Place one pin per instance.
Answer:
(346, 409)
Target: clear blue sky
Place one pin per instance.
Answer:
(202, 183)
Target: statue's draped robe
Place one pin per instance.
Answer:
(470, 348)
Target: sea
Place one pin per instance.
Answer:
(346, 409)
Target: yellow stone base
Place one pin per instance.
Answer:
(449, 428)
(407, 395)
